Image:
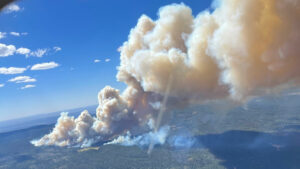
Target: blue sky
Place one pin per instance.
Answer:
(65, 37)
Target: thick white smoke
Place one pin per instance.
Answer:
(242, 49)
(146, 139)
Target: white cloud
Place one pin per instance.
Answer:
(107, 60)
(15, 33)
(44, 66)
(12, 8)
(97, 60)
(27, 86)
(56, 48)
(24, 33)
(1, 85)
(23, 51)
(22, 79)
(39, 52)
(11, 70)
(6, 50)
(2, 35)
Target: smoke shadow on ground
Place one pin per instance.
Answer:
(250, 149)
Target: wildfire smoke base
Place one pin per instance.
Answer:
(242, 49)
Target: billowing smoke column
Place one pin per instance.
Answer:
(242, 49)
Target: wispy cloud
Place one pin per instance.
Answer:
(6, 50)
(2, 35)
(11, 70)
(107, 60)
(22, 79)
(1, 85)
(15, 33)
(39, 53)
(45, 51)
(44, 66)
(56, 48)
(12, 8)
(27, 86)
(97, 60)
(18, 33)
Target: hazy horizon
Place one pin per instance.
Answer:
(49, 113)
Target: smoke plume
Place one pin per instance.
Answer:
(146, 139)
(241, 49)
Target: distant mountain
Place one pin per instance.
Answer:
(41, 119)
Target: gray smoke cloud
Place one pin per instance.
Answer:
(241, 49)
